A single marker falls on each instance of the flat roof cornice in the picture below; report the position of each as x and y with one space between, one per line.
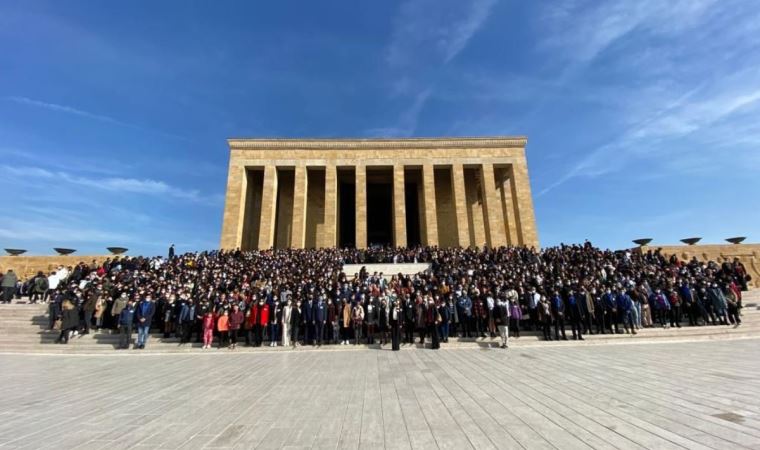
375 143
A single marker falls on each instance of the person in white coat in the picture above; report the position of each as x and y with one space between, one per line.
286 315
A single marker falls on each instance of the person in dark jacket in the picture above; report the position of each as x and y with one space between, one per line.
320 317
235 322
395 319
575 314
432 320
295 322
126 320
558 315
144 316
69 321
445 311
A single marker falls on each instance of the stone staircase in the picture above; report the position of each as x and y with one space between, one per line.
23 329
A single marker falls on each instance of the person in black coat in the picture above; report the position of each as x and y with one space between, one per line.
395 319
69 321
295 322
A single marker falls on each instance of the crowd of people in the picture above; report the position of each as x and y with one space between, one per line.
292 297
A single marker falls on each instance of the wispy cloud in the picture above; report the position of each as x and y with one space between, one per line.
435 28
426 36
680 107
113 184
86 114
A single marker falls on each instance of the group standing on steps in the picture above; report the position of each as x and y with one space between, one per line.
292 297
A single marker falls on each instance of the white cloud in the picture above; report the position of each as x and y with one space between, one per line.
81 113
677 106
437 28
114 184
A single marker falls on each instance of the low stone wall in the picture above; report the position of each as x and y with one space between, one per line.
748 254
28 266
387 269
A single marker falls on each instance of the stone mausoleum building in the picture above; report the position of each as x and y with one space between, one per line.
360 192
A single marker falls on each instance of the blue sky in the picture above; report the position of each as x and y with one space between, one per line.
642 117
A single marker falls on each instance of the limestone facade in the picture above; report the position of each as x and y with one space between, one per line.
318 192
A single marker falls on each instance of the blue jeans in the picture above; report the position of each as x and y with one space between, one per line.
142 334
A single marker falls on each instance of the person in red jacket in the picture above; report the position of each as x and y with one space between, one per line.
208 329
236 320
262 319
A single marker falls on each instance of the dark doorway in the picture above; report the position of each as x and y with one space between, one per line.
412 215
347 214
379 213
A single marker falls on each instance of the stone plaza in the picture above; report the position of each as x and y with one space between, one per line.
695 395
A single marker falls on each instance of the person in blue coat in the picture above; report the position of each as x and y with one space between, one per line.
126 321
558 315
144 316
625 307
609 301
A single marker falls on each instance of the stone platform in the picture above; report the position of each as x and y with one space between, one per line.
387 269
697 395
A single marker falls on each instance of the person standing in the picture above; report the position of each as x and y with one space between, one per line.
320 317
515 316
445 312
208 329
236 321
558 315
502 319
574 312
395 320
432 319
357 319
39 288
171 252
116 308
69 321
126 321
308 318
275 316
8 285
345 321
223 326
408 312
145 310
295 321
286 318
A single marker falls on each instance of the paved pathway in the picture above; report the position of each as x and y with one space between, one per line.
676 395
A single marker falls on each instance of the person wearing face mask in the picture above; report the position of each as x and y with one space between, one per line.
432 319
719 303
144 316
609 300
395 320
286 318
295 322
501 317
320 317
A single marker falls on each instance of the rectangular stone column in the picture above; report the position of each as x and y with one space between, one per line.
331 208
508 205
460 205
298 233
428 204
399 206
361 206
492 206
234 207
268 208
525 218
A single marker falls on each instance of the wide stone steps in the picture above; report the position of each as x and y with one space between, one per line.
23 329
